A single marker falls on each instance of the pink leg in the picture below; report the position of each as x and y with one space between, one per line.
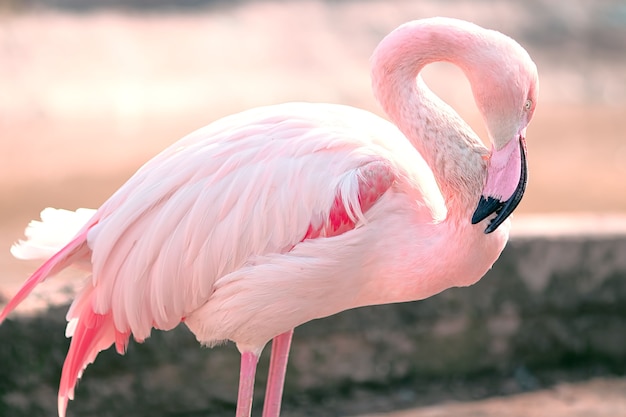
276 377
247 372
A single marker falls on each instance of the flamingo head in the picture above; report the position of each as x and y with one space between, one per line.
506 94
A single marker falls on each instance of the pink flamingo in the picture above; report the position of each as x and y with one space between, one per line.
267 219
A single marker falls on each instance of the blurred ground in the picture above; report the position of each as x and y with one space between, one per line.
596 398
547 318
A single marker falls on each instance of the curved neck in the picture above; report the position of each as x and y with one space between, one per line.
450 147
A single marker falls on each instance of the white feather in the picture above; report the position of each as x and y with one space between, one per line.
47 236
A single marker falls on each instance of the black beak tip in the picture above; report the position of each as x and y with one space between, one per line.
487 206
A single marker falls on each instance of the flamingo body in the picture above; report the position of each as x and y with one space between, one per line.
270 218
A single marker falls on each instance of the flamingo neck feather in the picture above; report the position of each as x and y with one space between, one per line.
453 151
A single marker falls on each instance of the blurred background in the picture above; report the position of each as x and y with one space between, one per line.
90 90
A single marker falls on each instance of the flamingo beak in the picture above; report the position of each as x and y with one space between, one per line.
507 176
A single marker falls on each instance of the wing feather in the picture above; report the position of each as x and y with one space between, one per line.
248 185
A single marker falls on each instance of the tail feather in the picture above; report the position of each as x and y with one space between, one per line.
73 251
48 238
92 333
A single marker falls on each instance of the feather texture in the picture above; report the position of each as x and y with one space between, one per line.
196 212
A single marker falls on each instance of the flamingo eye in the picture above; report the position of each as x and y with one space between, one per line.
528 104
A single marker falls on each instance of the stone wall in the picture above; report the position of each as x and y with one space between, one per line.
556 300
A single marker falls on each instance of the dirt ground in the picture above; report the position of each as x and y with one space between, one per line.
595 398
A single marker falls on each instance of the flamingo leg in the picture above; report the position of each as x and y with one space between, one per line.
276 376
247 373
